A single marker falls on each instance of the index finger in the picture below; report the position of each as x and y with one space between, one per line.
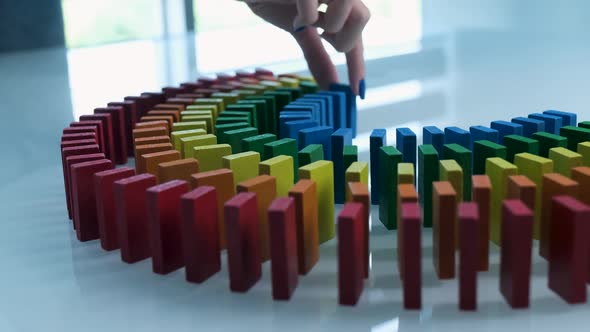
355 62
307 13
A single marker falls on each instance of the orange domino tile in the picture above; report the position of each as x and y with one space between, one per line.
581 175
481 193
554 184
359 193
223 181
145 149
521 187
152 160
444 220
175 114
180 169
151 140
149 132
304 193
182 101
150 118
406 193
173 107
265 188
154 124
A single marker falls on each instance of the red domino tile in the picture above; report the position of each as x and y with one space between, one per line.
98 130
85 198
350 253
130 118
155 97
226 77
516 252
132 221
107 128
468 256
360 194
208 81
142 104
200 233
249 80
191 95
105 205
235 84
73 151
412 255
243 253
119 133
66 144
78 137
569 249
77 129
244 74
283 247
171 92
163 203
207 92
222 87
72 160
266 78
482 194
262 71
190 86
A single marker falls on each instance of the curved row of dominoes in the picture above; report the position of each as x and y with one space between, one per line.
254 163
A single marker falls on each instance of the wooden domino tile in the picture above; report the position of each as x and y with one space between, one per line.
405 173
450 171
78 128
117 114
304 194
105 205
189 143
176 136
84 199
244 165
482 195
468 216
100 130
516 253
72 160
569 249
151 140
554 184
147 149
350 253
406 193
498 170
79 136
180 169
322 173
581 175
73 151
152 125
359 192
281 167
521 187
107 132
389 158
411 259
163 204
200 233
584 151
564 160
283 247
152 160
444 216
131 209
174 113
243 253
67 144
358 171
265 188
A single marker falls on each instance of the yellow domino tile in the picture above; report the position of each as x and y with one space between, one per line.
564 160
217 102
534 167
289 82
207 109
358 171
281 167
405 173
270 85
189 125
177 135
210 157
322 173
188 143
498 170
584 150
228 97
244 165
258 89
449 170
207 118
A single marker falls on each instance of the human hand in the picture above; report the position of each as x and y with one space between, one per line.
343 24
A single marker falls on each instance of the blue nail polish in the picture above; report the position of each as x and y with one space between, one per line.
300 29
362 88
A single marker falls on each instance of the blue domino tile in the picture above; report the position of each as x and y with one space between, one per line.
377 139
350 105
296 106
529 126
318 135
338 107
405 142
340 138
552 123
568 119
458 136
292 129
479 133
283 118
325 103
434 136
506 128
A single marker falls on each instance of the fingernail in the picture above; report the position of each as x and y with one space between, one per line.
362 88
300 29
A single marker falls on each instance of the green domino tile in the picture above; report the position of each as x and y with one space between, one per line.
463 157
295 92
389 158
231 119
250 109
236 114
574 136
548 141
349 155
427 173
256 143
234 137
271 111
228 97
519 144
221 129
584 150
584 124
177 135
260 106
282 99
564 160
310 154
285 146
242 93
308 87
483 150
218 102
